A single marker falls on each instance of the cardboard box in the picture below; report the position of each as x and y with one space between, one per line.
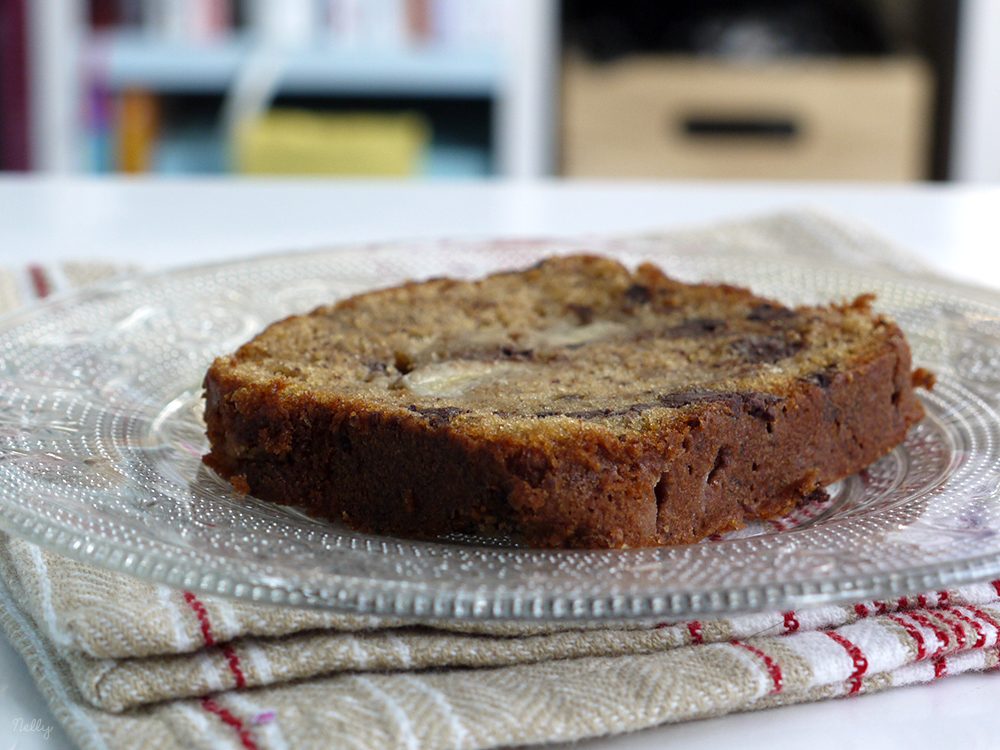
652 116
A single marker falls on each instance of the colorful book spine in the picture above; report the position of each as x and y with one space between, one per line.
101 128
188 21
137 131
365 23
15 147
418 21
399 23
104 14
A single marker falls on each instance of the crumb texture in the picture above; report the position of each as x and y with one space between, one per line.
571 404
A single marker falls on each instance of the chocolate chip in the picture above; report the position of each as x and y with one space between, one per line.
767 312
638 294
679 399
823 378
583 313
686 398
403 362
588 414
694 328
491 354
760 405
764 349
756 404
517 355
818 495
597 413
437 416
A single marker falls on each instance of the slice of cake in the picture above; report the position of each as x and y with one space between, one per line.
572 404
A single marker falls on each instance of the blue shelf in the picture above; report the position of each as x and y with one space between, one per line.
139 60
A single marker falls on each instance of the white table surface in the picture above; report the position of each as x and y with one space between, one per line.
166 223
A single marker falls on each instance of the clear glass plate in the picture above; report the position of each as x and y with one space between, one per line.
101 438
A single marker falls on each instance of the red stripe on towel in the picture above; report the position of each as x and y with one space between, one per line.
916 635
987 619
232 720
957 629
773 668
980 633
232 658
791 621
860 662
694 628
940 668
234 666
202 614
942 635
39 281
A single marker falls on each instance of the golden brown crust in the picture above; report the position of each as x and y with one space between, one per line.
692 464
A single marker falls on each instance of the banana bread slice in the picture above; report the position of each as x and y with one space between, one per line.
571 404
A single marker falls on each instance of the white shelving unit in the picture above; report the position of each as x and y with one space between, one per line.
55 41
976 151
517 75
134 60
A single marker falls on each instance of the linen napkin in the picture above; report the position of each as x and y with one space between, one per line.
124 663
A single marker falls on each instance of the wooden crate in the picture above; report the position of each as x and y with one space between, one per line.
652 116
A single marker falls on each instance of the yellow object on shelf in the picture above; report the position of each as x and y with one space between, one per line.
304 143
137 131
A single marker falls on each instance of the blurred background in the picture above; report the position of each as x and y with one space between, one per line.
884 90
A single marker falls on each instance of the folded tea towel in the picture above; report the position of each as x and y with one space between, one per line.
124 663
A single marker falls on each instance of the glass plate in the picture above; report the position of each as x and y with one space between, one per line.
101 436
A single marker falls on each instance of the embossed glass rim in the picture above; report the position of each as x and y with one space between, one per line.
199 571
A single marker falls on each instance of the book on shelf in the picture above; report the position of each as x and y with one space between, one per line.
176 20
105 14
100 126
133 125
313 143
15 146
418 20
377 24
137 130
191 21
